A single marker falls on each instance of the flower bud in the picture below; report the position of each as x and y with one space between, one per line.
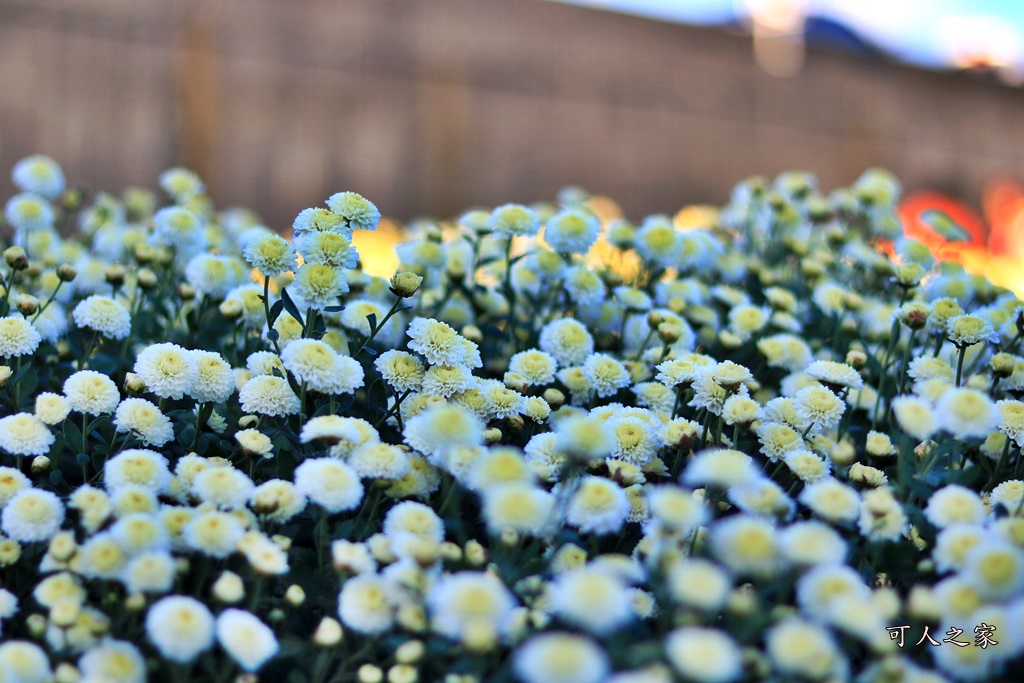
247 421
669 332
186 292
411 617
368 673
136 602
450 552
516 382
476 554
62 546
147 279
16 258
1002 365
328 633
409 652
36 625
231 309
145 253
66 673
473 334
133 384
295 596
554 398
908 274
402 673
40 464
856 358
64 612
492 435
27 304
405 284
228 588
115 275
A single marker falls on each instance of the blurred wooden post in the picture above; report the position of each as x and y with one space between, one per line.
198 97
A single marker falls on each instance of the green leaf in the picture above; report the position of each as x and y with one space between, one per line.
290 305
72 434
275 310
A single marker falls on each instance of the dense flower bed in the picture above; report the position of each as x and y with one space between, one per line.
551 449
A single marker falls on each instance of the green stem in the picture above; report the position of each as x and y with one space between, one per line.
266 310
906 362
894 335
960 363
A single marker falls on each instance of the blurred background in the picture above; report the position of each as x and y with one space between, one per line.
429 107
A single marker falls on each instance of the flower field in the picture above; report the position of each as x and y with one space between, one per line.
781 445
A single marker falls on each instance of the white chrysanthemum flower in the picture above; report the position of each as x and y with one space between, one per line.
703 654
278 500
562 657
818 406
101 557
214 275
24 434
954 504
214 533
137 467
807 466
149 572
328 248
762 497
440 428
39 174
245 638
536 366
104 315
144 419
269 395
811 542
699 583
597 506
215 382
401 370
445 380
113 660
605 374
836 374
1012 422
223 487
358 212
181 184
138 532
436 341
366 604
500 402
379 461
822 586
513 219
175 226
804 649
658 241
519 506
967 330
593 599
567 340
720 467
469 600
329 483
51 408
168 370
747 545
91 392
1008 494
93 505
632 439
319 285
881 516
180 627
11 481
929 367
271 255
915 416
32 515
28 212
967 413
264 363
17 337
571 231
778 439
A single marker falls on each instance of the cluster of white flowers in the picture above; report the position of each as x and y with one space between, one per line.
557 446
